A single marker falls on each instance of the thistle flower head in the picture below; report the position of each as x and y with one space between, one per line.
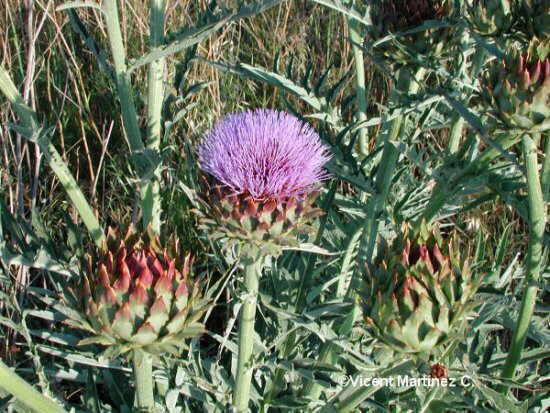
265 155
264 169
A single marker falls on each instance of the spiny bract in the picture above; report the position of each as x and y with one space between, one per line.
420 294
136 295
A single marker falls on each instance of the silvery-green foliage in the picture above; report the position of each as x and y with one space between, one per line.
309 332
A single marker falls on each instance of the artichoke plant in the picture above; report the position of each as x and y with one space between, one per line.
136 295
419 296
518 88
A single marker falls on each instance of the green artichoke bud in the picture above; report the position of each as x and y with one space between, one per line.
419 296
137 295
490 17
518 88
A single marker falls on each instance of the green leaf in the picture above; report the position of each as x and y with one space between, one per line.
349 12
314 249
195 35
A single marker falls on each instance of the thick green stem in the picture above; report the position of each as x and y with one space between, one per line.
537 224
33 132
151 203
545 179
243 379
143 375
360 89
25 393
142 160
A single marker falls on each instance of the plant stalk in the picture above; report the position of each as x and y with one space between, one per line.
25 393
151 202
142 161
34 133
545 179
537 224
360 84
243 380
143 375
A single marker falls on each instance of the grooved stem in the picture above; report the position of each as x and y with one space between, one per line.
545 179
247 317
143 375
537 224
129 113
151 202
360 87
25 393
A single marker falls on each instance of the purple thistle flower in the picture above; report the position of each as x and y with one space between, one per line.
264 154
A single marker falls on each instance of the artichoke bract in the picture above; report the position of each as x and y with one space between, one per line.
136 295
419 297
270 225
518 88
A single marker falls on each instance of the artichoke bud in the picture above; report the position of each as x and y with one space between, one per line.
269 225
134 294
393 16
518 88
490 17
418 297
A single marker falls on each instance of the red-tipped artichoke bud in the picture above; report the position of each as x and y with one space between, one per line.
262 171
137 295
418 297
518 88
491 17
